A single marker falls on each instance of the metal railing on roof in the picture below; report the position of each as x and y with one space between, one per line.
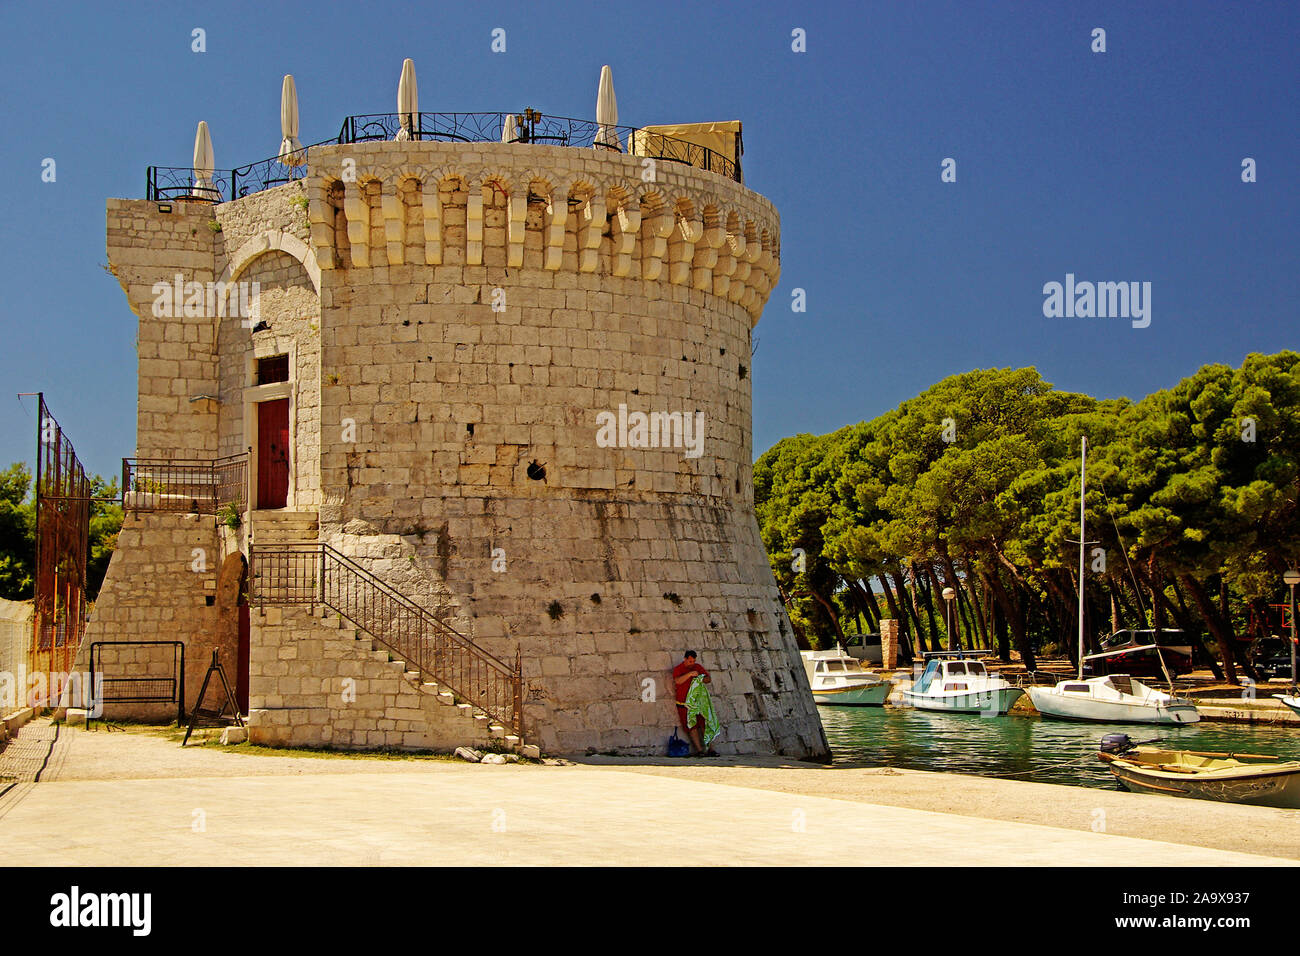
164 183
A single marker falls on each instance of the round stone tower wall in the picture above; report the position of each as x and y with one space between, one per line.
536 420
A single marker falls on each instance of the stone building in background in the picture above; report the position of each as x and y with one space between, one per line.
443 485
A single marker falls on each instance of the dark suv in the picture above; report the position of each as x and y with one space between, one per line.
1273 658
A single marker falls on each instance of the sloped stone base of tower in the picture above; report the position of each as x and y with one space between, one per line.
602 597
316 681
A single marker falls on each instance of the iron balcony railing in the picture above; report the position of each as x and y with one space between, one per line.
163 183
312 574
186 486
541 130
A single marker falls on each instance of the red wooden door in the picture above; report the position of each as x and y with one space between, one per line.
273 453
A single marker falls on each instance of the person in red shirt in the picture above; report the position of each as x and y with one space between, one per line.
683 674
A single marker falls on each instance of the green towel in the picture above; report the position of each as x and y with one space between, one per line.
699 703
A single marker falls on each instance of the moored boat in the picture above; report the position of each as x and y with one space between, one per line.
1234 778
953 682
1116 698
1290 700
1112 697
839 680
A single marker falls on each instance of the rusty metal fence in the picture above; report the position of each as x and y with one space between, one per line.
312 574
186 486
63 496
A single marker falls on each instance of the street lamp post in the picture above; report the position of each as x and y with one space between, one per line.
948 595
1292 578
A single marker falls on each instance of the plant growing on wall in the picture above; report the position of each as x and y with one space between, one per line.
231 515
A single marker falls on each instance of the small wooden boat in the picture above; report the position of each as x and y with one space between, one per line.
839 680
1234 778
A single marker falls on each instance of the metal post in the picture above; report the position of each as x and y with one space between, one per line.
1083 537
1291 578
180 692
38 623
519 693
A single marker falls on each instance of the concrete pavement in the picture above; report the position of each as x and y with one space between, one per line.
138 799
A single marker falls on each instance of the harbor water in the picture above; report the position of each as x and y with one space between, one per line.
1022 746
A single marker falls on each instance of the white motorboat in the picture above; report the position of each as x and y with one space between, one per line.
1116 698
952 682
839 680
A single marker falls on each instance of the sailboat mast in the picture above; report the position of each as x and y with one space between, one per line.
1083 537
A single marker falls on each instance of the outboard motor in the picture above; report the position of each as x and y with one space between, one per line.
1116 744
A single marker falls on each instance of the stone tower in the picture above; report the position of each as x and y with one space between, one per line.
518 394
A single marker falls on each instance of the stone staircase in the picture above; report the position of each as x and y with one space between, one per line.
325 627
484 727
284 527
386 705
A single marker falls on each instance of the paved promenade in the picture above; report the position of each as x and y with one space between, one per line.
135 798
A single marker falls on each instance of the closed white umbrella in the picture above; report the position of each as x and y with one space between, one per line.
408 100
510 129
607 111
290 147
204 160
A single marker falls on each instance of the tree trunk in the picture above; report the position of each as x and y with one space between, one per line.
892 604
1226 611
1222 637
910 621
1000 630
977 604
1013 612
830 610
961 619
923 584
1129 611
871 602
1195 633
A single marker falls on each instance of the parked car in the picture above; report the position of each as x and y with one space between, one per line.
1273 658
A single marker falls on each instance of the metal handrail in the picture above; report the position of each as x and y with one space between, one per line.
164 183
184 485
311 574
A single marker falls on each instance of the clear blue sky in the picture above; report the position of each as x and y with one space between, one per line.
1117 166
